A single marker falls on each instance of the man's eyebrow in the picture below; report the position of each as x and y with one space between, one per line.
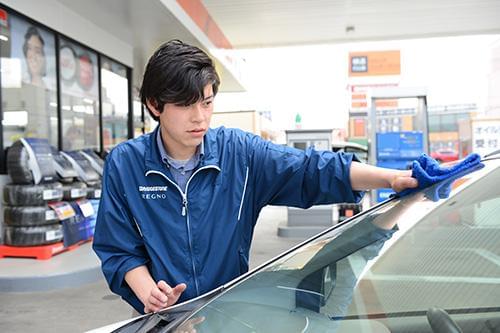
208 97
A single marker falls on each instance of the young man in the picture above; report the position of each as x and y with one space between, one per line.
179 205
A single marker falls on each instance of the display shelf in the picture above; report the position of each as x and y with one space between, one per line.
43 252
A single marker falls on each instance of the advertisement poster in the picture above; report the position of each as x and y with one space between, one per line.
34 49
78 70
28 64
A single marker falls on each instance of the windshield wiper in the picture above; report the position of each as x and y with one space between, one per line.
496 152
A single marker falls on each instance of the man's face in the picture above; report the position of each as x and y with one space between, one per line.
183 127
34 56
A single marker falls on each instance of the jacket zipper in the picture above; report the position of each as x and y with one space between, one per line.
184 212
243 195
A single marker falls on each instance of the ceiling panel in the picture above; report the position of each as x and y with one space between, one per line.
144 25
267 23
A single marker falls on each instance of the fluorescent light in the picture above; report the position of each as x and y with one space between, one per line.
4 38
15 118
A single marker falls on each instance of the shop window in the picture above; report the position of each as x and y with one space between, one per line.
434 123
449 123
29 95
149 122
79 96
138 118
114 92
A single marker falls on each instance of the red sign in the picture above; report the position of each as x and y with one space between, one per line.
3 18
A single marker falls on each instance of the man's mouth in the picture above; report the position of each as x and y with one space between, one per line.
197 130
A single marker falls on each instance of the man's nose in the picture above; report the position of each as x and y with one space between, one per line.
197 112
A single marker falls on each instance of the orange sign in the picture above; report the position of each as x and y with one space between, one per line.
374 63
199 14
386 103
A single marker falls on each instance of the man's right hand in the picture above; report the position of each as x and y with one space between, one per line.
162 296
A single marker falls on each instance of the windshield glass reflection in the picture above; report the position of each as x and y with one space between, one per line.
334 285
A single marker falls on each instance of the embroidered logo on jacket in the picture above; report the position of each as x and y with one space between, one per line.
153 192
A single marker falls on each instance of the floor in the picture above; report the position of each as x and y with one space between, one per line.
91 305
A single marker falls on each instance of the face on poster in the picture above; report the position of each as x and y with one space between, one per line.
33 49
78 70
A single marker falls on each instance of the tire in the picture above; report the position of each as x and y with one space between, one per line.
17 164
32 195
82 166
74 191
25 166
64 169
94 191
29 216
95 160
33 236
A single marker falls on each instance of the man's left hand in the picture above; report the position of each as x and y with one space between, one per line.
403 180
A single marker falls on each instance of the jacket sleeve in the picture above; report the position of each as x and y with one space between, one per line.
292 177
117 240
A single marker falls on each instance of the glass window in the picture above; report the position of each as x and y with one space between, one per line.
114 92
449 123
434 123
79 96
149 122
138 122
29 96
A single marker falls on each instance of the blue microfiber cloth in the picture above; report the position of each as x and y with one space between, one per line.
427 171
442 189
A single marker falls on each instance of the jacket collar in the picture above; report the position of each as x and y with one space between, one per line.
153 156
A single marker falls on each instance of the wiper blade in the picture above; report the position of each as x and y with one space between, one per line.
154 322
492 153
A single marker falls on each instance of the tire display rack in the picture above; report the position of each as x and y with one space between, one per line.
50 206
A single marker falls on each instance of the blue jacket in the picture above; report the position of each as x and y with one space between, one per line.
202 237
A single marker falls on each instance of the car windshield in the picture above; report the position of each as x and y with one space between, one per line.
381 272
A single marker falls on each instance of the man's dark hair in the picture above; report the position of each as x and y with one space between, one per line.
32 31
177 73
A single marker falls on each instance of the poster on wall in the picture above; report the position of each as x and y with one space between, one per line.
28 65
485 136
32 55
78 70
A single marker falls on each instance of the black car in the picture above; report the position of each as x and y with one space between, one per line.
420 263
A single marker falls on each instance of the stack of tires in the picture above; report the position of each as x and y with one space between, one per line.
28 220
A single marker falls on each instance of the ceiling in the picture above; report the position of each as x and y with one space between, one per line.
144 24
267 23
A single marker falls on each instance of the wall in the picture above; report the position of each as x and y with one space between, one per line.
244 120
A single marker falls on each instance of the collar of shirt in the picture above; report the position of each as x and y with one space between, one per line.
169 161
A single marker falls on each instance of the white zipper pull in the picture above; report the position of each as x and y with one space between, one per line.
184 204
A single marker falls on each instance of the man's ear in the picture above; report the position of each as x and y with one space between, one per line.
153 106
